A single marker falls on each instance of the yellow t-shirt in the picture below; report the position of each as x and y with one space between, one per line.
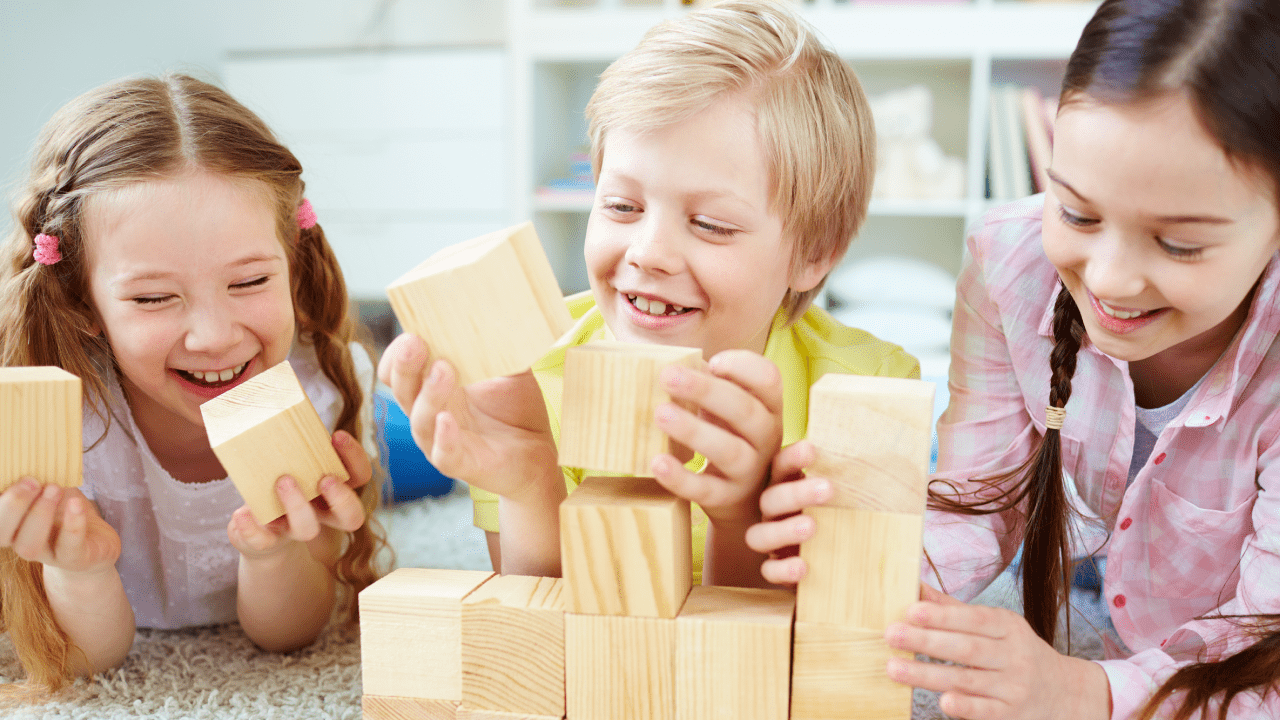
813 346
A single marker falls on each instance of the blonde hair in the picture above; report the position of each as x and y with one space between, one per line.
130 131
812 116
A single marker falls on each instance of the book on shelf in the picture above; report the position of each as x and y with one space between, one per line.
1037 124
1021 141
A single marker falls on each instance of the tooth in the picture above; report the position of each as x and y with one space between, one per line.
657 308
642 304
226 375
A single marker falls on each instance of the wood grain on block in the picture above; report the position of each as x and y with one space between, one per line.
399 708
264 428
864 567
40 426
513 646
465 713
873 436
625 548
620 668
839 673
611 390
733 654
411 633
490 305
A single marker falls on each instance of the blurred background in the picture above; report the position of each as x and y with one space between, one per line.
422 123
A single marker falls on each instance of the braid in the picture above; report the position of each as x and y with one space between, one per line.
1046 551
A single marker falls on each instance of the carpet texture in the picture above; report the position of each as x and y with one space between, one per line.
215 673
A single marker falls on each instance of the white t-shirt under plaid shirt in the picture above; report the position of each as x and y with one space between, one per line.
1196 534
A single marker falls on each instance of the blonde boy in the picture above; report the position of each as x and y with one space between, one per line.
734 156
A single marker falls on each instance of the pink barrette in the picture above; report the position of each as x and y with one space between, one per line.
306 215
47 249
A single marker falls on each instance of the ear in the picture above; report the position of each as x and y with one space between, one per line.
807 276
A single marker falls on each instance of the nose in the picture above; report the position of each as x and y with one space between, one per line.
1114 268
212 329
655 246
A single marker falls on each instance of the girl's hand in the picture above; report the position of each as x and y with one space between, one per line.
338 506
493 434
57 527
784 528
737 427
1004 670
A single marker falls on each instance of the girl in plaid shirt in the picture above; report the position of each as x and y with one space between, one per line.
1144 288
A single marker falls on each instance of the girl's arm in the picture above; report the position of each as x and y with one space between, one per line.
59 528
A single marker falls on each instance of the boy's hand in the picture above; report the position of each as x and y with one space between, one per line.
784 528
493 434
57 527
737 427
338 506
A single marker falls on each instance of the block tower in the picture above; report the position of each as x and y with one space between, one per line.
624 635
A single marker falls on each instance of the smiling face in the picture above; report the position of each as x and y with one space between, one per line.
191 286
682 245
1156 234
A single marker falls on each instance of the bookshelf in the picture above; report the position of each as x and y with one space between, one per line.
959 50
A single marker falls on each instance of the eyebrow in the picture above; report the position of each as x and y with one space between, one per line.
1162 219
159 275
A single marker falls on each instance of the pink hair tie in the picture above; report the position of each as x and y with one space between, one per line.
47 249
306 215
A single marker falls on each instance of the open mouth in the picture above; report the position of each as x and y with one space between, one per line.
213 378
656 308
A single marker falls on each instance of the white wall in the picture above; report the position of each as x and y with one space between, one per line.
53 50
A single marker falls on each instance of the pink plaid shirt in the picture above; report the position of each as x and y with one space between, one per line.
1198 531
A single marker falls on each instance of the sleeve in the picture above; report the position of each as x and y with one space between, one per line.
985 431
1223 631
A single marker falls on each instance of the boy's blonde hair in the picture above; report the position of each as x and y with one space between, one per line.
133 131
812 116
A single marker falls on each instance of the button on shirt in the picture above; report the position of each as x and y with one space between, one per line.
1197 532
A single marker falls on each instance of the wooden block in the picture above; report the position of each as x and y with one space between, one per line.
733 654
611 391
398 708
873 436
513 646
40 416
470 714
490 305
864 567
411 633
265 428
625 548
839 672
619 668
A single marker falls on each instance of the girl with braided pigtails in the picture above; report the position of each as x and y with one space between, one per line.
163 251
1115 344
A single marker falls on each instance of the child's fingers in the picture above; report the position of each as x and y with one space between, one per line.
32 540
345 511
15 503
770 537
402 366
70 548
448 450
303 523
430 401
784 571
789 463
789 498
960 647
733 406
248 536
996 623
704 489
942 678
353 458
754 372
732 455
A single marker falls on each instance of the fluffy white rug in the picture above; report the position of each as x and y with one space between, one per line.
217 674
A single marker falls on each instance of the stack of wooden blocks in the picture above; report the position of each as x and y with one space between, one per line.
624 634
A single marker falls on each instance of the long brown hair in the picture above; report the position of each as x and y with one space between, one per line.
1222 53
130 131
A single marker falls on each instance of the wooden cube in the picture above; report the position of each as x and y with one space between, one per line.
611 391
625 548
40 415
398 708
465 713
733 654
838 672
411 633
513 646
873 436
620 668
264 428
490 305
864 567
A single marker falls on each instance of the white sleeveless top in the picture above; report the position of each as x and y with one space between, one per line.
178 566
